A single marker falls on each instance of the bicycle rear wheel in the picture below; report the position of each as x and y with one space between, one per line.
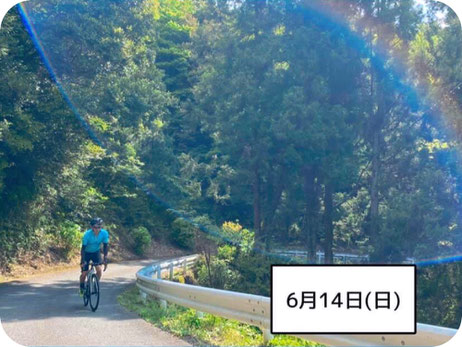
94 292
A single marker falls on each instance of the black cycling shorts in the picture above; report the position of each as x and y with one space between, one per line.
94 257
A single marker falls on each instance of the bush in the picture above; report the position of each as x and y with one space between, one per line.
142 240
219 273
182 233
243 238
69 237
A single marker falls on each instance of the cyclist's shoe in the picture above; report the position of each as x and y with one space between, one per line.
81 291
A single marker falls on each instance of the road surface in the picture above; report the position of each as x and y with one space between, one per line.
47 311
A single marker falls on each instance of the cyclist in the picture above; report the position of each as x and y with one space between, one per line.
91 243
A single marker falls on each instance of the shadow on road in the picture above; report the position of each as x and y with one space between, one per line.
28 300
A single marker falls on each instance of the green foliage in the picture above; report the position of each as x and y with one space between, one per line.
234 233
218 272
235 266
207 330
255 268
284 340
69 237
175 23
182 233
98 124
142 239
432 281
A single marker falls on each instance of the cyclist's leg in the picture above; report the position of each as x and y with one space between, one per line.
97 260
82 282
99 272
82 276
84 271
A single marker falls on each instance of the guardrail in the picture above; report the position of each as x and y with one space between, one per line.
342 258
255 310
338 257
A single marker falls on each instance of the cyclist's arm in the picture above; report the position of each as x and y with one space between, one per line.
82 254
82 251
105 250
105 246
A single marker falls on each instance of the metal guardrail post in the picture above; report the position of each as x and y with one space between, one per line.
144 296
267 336
163 303
159 272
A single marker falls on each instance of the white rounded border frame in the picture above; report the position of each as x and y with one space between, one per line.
6 5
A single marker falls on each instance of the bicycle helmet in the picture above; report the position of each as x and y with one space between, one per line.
96 221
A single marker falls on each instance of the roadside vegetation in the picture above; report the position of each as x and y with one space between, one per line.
205 329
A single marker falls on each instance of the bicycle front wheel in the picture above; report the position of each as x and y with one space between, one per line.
94 292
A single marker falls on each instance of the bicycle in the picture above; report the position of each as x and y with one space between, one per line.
91 292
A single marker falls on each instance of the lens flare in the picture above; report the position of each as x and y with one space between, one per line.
439 261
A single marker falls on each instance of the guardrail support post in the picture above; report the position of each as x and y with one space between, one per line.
154 274
267 336
159 272
171 271
185 266
144 296
163 304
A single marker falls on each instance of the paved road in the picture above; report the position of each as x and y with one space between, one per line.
47 310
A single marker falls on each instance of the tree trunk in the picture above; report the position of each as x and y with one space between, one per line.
375 129
256 204
310 224
378 120
374 191
275 189
328 223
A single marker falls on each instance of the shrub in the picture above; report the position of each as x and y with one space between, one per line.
142 240
218 273
69 237
182 233
237 235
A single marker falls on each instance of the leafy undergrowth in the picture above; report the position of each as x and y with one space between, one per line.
205 330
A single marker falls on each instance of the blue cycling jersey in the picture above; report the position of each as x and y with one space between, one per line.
92 243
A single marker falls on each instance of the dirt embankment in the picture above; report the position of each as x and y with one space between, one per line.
29 265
